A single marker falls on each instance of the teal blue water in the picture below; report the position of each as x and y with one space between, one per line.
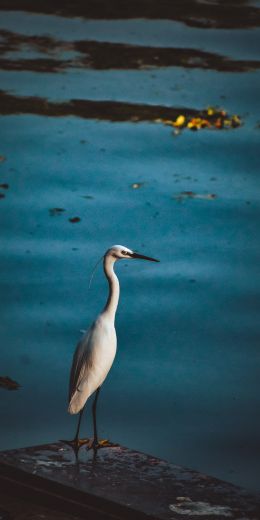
185 382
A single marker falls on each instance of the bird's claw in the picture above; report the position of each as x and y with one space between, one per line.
95 445
91 444
76 444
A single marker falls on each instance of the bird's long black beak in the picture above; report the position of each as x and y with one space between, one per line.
142 257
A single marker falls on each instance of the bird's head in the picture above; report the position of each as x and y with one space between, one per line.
118 252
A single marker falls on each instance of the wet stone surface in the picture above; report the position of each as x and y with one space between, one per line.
130 479
18 508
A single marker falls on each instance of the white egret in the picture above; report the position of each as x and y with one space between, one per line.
96 350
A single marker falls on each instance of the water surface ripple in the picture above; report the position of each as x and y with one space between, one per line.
184 382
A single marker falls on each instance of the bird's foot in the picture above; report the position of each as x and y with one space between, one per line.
95 445
76 444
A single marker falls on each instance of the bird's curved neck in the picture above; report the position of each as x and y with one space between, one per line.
113 296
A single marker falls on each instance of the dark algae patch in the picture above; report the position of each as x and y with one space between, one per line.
196 13
34 65
106 55
74 220
118 111
191 195
56 211
88 109
8 384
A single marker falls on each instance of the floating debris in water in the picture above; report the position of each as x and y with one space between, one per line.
56 211
2 158
8 384
212 118
89 197
137 185
4 186
180 121
118 111
186 506
2 195
74 220
191 195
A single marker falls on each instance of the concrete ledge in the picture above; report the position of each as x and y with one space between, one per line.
119 484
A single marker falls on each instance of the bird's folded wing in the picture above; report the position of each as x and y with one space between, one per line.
80 360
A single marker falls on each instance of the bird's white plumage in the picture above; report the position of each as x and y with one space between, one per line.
93 359
96 350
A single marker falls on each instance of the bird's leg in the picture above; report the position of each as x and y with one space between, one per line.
95 444
76 439
76 443
94 411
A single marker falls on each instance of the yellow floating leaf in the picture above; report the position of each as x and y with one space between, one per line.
211 111
219 123
204 123
195 123
211 117
180 121
192 125
235 121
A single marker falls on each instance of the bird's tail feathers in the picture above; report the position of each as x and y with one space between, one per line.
72 409
79 398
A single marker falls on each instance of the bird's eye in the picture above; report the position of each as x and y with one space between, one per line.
124 252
